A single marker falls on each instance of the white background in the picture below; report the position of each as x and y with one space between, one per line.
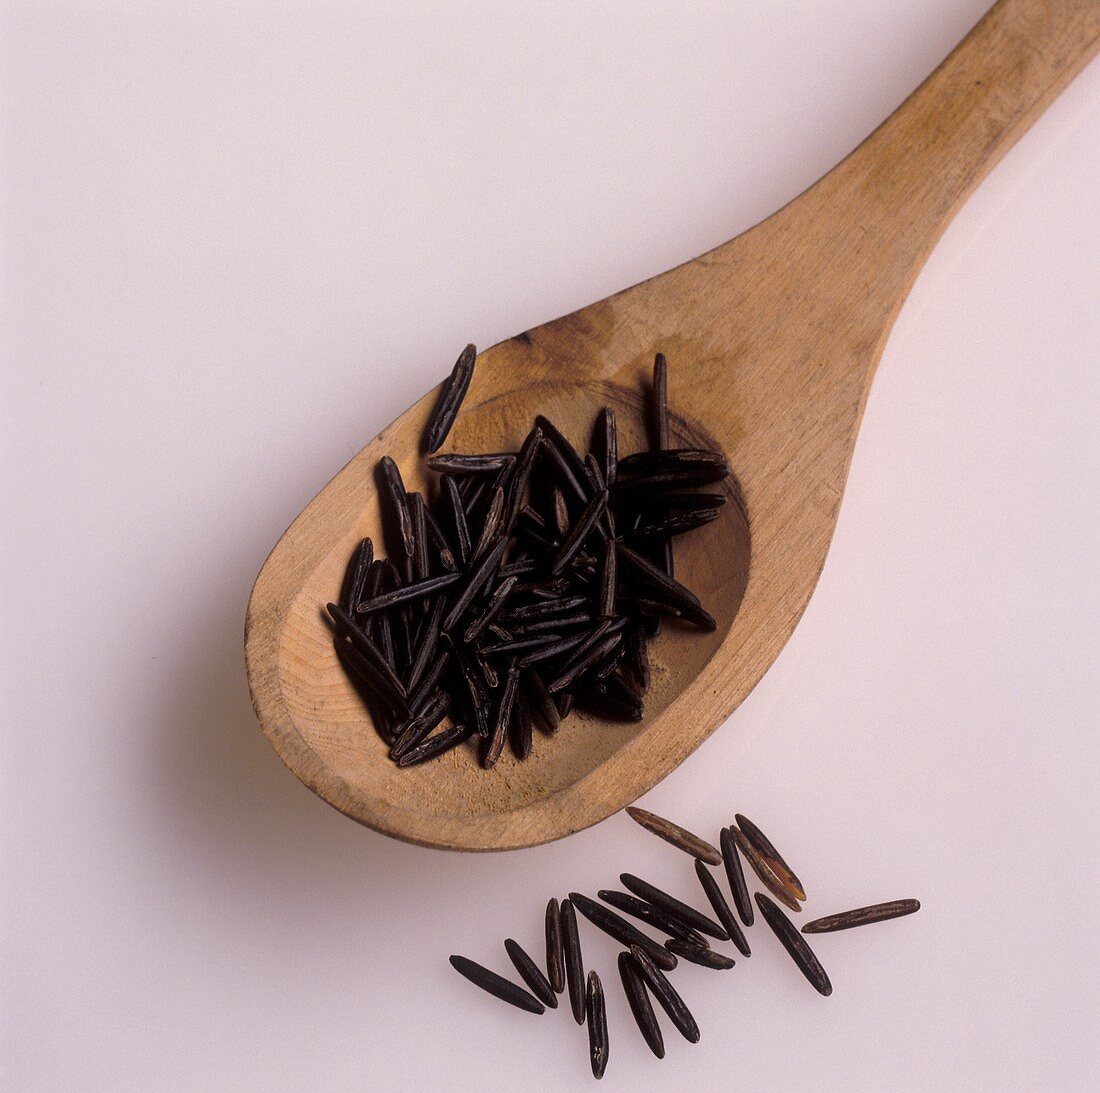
238 239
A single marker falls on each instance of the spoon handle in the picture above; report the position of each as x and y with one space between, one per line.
885 206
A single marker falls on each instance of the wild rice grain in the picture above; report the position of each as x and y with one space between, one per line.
697 954
407 593
541 704
525 464
555 954
736 876
771 856
651 916
605 444
494 518
489 463
674 907
640 1006
495 605
676 523
355 576
595 1014
580 531
428 640
520 730
565 455
458 518
420 726
581 663
862 916
608 580
497 985
495 744
450 400
420 536
673 459
764 871
474 583
574 962
617 927
531 974
678 836
666 994
397 502
721 908
792 941
436 745
370 652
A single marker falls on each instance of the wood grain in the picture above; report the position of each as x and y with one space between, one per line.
772 340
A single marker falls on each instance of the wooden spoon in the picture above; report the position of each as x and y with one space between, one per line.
772 340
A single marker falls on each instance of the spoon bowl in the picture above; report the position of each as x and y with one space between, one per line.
331 725
772 340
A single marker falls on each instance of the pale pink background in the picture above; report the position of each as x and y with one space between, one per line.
238 239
